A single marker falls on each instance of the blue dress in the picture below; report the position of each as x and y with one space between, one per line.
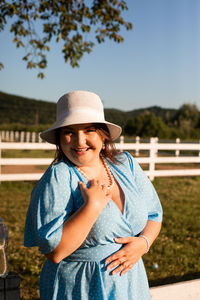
83 275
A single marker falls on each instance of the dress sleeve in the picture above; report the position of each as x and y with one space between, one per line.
51 204
146 190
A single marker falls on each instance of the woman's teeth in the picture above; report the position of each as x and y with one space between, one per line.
81 150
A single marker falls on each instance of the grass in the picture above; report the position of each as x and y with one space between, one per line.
28 153
176 250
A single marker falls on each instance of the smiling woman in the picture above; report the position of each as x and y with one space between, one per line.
81 144
94 213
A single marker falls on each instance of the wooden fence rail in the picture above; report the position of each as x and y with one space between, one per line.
155 156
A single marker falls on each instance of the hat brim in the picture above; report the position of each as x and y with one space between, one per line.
49 135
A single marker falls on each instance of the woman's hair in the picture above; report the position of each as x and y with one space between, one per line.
108 150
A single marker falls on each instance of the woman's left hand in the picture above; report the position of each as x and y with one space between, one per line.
125 258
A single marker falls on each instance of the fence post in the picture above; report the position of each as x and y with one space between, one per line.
12 136
39 138
7 136
156 149
177 152
21 136
3 135
121 141
28 134
199 151
152 155
137 141
33 140
16 136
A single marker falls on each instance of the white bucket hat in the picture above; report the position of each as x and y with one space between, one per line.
79 107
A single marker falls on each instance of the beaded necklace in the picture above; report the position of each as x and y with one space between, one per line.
108 172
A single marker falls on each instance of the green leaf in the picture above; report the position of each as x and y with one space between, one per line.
40 75
1 66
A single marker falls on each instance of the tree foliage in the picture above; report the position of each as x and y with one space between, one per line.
147 125
68 22
187 116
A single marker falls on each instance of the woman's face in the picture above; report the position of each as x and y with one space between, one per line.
81 144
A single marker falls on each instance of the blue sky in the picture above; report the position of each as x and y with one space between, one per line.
158 63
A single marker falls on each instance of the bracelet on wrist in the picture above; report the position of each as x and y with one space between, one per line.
147 241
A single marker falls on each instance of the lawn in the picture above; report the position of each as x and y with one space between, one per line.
176 251
15 153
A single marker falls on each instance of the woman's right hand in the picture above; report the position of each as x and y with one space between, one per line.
96 195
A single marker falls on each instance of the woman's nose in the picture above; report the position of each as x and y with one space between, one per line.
80 137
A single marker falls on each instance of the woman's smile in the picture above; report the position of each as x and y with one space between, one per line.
81 151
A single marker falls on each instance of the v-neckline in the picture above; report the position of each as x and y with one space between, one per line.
85 180
119 185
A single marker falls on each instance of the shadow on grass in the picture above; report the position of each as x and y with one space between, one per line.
174 279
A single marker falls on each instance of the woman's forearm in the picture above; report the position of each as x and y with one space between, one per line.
75 231
151 231
77 227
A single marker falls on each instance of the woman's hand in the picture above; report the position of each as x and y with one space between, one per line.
124 259
97 194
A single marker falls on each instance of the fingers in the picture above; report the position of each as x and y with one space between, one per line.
93 182
122 252
126 269
124 240
123 260
117 256
116 263
122 266
122 269
82 185
96 183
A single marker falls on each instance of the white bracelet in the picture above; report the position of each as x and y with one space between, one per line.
147 241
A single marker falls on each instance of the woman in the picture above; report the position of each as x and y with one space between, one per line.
94 213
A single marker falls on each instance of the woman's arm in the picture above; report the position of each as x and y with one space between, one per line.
77 227
151 231
134 248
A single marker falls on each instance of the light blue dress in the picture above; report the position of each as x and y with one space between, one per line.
82 275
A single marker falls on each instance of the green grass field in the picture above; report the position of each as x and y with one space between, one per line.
176 250
27 153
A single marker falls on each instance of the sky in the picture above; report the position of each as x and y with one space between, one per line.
158 64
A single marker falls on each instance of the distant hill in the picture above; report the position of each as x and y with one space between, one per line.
16 109
26 111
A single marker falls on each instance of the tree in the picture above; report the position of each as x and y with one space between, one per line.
66 21
188 116
147 125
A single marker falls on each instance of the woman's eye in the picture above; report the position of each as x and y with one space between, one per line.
91 130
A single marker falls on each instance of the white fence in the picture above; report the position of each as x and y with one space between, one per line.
153 147
20 136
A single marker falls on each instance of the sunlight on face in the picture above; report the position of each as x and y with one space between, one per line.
81 144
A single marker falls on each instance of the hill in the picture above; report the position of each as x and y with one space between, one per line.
30 112
25 111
